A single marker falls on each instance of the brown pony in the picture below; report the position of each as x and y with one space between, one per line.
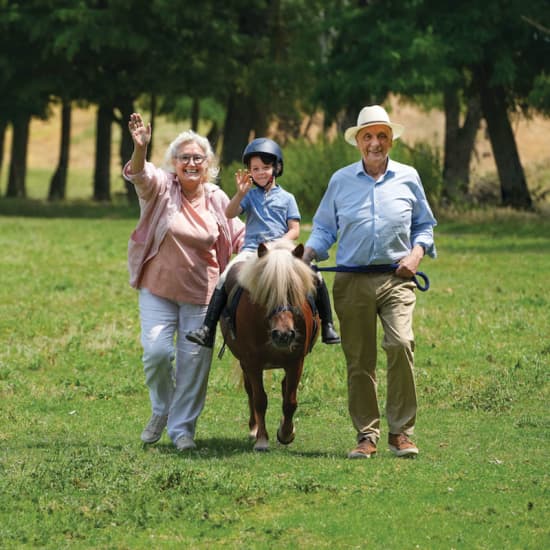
274 327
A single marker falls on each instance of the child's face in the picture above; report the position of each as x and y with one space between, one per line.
261 173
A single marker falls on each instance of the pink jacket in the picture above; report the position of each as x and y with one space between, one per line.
159 195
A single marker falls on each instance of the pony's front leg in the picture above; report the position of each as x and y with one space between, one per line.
258 404
260 408
289 388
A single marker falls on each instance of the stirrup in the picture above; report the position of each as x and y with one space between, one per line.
202 337
329 335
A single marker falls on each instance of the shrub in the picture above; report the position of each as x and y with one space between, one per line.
309 166
427 162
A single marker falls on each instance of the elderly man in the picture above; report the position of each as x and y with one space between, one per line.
377 209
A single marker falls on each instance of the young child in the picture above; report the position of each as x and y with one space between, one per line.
271 213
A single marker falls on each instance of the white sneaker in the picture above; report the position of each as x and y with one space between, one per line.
153 431
184 443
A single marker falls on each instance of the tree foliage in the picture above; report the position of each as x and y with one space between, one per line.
250 67
470 49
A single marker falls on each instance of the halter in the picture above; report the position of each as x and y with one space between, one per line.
281 309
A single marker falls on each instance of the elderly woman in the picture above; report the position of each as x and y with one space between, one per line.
182 243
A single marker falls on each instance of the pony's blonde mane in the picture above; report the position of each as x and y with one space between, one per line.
277 278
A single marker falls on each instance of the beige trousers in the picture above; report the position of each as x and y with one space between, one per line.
359 299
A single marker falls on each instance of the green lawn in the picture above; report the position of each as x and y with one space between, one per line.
73 473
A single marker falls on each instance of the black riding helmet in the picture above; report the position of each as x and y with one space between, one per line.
268 151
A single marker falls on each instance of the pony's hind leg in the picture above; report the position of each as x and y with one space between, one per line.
252 426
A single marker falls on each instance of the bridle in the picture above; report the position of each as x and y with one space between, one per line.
283 308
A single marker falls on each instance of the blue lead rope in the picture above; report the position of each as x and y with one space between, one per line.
382 268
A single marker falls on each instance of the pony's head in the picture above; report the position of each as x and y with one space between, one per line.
277 277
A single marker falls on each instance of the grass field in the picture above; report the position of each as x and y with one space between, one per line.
73 473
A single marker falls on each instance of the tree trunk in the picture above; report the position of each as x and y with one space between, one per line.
153 118
18 161
126 108
195 112
243 117
3 127
513 186
348 116
459 144
345 119
214 135
58 183
243 113
102 170
236 130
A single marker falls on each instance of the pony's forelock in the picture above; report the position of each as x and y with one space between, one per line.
278 278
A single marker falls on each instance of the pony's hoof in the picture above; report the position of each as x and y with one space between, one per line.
288 440
261 446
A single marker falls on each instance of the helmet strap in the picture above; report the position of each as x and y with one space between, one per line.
266 185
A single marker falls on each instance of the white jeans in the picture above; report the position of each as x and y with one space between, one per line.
181 392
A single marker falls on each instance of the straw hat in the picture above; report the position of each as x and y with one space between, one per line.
369 116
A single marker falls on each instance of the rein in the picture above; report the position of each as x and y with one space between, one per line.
382 268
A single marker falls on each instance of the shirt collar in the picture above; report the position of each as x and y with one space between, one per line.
274 189
390 169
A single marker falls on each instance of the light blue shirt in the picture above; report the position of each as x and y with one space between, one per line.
267 215
375 222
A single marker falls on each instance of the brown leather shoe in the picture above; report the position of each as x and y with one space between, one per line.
365 449
401 445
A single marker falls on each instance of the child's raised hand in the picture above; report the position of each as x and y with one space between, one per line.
244 181
141 134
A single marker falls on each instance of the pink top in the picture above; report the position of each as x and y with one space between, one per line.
179 247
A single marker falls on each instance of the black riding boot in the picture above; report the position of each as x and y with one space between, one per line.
204 336
322 301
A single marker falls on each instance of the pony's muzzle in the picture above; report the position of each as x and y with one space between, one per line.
282 338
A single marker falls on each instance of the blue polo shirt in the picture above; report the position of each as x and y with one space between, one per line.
267 215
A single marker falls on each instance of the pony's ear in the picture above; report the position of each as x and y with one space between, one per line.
262 250
298 252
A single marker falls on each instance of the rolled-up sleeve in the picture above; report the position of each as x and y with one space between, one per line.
143 181
325 230
423 222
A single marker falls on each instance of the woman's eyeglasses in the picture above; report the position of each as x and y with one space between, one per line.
186 159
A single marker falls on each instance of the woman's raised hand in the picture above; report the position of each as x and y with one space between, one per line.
141 134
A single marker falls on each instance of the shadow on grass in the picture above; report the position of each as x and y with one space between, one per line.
31 208
223 447
211 448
